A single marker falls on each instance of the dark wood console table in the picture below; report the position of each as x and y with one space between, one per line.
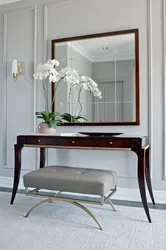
138 145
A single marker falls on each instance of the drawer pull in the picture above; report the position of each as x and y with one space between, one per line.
73 142
38 140
110 142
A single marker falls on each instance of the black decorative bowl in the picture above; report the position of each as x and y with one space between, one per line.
100 133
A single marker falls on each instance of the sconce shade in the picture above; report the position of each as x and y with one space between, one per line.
14 67
17 68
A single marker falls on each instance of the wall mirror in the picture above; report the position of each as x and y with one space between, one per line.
112 61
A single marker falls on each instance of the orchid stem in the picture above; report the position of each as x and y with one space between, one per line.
56 86
79 102
46 97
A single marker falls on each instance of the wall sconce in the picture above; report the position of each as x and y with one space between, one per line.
17 68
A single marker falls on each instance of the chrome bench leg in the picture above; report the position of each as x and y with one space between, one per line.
112 205
106 198
38 204
50 200
88 212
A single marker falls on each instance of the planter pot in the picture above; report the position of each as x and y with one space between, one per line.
45 128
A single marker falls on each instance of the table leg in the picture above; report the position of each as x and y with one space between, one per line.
17 170
42 157
141 179
147 175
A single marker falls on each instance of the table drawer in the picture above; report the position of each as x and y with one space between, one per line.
88 142
42 140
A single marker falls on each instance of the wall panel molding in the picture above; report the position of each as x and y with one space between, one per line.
45 55
164 77
35 62
4 90
45 32
34 31
34 82
150 81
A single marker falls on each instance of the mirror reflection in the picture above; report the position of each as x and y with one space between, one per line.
110 62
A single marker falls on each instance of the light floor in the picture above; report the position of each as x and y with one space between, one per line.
61 226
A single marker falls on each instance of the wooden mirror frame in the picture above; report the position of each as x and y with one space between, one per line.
114 33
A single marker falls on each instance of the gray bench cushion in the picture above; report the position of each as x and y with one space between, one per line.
70 179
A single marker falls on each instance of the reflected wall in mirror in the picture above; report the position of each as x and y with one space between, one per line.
112 61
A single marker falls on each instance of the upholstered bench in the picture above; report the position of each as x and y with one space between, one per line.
72 180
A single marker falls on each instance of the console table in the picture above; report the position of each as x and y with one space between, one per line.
138 145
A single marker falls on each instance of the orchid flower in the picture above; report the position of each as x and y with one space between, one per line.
68 75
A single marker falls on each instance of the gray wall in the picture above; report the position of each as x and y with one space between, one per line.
41 21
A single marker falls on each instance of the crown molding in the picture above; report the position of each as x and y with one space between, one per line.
107 58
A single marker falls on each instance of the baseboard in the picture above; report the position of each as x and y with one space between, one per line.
126 194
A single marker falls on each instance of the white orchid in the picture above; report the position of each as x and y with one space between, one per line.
55 63
48 69
68 75
72 77
84 86
53 78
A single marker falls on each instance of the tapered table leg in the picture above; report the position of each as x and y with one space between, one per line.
17 170
147 175
42 157
141 179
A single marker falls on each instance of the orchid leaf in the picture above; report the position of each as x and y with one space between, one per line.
49 117
70 118
52 124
